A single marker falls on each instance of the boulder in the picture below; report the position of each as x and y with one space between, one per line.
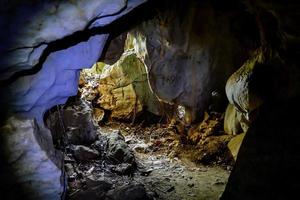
123 169
92 181
76 121
124 88
117 149
263 77
83 153
267 165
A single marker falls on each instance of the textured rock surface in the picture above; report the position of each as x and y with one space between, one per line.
117 149
186 54
238 88
232 124
98 114
115 49
27 162
76 120
43 45
83 153
57 39
124 88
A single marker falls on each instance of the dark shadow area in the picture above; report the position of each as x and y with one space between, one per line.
269 158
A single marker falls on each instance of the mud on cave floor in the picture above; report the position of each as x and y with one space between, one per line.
163 167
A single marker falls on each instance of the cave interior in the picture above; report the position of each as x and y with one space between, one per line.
149 99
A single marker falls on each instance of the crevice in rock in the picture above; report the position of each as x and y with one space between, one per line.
115 28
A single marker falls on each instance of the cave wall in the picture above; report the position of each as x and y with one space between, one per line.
44 45
191 49
30 167
266 90
190 52
50 43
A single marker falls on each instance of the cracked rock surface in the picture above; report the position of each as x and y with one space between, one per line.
40 63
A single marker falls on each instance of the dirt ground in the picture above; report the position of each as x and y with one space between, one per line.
164 166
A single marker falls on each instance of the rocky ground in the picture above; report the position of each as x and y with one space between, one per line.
150 172
116 149
117 146
120 160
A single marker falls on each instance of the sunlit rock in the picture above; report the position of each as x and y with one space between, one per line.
123 88
50 42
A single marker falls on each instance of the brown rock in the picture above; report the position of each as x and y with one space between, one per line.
235 144
124 88
98 114
231 121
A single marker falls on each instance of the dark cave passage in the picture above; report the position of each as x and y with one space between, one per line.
116 135
148 99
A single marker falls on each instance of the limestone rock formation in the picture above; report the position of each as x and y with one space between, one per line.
40 62
238 88
124 89
235 144
188 59
29 162
232 124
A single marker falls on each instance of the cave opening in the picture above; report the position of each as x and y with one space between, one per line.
117 132
149 99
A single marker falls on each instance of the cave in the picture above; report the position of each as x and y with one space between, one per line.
149 99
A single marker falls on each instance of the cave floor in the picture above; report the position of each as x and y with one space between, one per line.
163 167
